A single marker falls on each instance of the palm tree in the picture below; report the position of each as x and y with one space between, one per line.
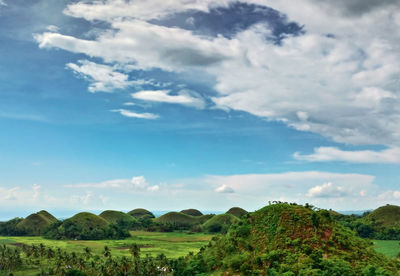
107 252
88 253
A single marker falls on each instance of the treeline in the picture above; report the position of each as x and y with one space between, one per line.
45 260
369 229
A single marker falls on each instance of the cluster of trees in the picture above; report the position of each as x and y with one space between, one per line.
369 229
9 228
55 261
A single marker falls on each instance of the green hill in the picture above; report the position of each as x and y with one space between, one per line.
35 224
88 221
177 218
116 216
192 212
285 239
387 216
140 213
49 217
219 223
237 212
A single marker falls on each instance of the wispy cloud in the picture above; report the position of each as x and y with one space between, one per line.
131 114
326 154
165 96
137 183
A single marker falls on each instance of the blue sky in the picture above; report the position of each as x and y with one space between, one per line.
198 104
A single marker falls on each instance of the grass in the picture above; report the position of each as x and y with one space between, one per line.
389 248
173 245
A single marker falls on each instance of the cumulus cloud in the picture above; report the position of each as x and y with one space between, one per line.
164 96
335 79
137 183
326 154
327 190
224 189
131 114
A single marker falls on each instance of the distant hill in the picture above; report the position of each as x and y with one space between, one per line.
387 216
88 221
140 213
192 212
219 223
237 212
114 216
283 239
35 224
179 218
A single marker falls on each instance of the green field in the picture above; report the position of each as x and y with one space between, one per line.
389 248
172 244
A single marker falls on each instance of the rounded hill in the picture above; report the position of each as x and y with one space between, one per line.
385 216
177 218
88 221
36 223
116 216
192 212
292 240
237 212
219 223
140 213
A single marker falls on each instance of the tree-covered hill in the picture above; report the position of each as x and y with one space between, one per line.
284 239
140 213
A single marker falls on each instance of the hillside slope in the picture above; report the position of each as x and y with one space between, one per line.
385 216
35 224
291 239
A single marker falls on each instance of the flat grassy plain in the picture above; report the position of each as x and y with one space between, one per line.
171 244
389 248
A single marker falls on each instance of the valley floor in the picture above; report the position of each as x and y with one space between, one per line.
171 244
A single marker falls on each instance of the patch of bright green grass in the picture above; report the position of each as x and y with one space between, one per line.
173 245
389 248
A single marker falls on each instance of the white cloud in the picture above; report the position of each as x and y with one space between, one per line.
390 195
327 190
2 3
131 114
101 77
52 28
164 96
343 86
224 189
137 183
326 154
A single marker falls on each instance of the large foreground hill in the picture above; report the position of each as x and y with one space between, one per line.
284 239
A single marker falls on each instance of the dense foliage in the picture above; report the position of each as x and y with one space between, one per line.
55 261
283 239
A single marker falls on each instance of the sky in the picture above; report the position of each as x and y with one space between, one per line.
168 105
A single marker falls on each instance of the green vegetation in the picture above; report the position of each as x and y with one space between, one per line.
85 226
35 224
389 248
116 216
237 212
219 223
381 224
140 213
171 244
283 239
192 212
386 217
